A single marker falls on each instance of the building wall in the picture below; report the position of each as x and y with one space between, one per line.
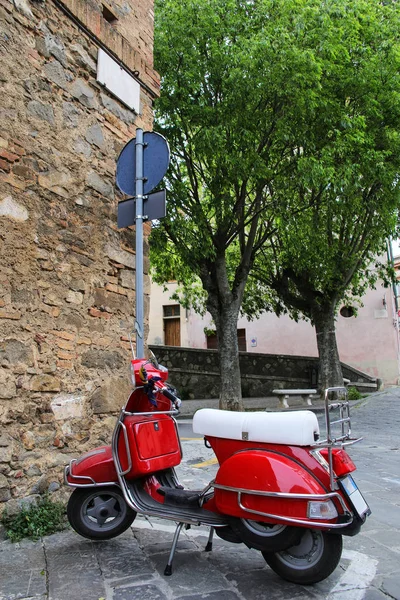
368 342
67 289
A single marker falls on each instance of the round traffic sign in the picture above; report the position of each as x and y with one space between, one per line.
155 163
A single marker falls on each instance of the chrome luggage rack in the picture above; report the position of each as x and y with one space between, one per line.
338 432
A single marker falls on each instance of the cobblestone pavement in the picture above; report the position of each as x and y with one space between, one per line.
65 566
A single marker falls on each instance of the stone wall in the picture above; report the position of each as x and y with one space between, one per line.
195 372
67 280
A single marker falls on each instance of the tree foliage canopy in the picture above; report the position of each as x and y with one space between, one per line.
283 119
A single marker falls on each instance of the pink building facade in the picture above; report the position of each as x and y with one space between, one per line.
368 341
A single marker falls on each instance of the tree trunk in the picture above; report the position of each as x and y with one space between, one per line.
330 369
230 397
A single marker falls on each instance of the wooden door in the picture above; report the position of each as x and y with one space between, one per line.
172 332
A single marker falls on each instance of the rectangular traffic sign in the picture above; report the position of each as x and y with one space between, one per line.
154 207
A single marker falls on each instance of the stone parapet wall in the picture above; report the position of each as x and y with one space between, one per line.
67 278
195 372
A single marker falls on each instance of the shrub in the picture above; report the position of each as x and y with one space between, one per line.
35 521
354 394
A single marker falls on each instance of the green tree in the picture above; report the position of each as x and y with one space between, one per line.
266 106
346 171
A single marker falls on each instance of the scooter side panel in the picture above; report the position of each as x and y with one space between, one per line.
153 445
96 466
264 471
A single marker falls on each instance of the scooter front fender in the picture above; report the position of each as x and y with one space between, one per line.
246 478
92 468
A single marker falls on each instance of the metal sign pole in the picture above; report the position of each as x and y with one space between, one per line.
139 325
136 177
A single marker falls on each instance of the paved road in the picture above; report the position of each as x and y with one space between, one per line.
67 567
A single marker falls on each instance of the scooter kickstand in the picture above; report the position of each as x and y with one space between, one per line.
210 540
168 568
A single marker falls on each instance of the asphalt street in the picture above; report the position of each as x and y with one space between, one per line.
65 566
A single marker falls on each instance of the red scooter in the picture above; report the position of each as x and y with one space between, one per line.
279 488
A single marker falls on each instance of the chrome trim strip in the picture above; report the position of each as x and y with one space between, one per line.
121 479
79 476
177 435
293 520
93 483
154 412
128 451
289 496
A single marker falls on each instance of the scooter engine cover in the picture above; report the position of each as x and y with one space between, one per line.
263 471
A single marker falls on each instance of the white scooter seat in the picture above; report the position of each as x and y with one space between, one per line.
298 428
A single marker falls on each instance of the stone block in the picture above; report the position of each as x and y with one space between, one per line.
4 165
8 388
59 182
65 335
68 406
94 135
22 6
95 312
13 316
6 453
22 570
8 156
82 147
52 299
13 210
5 494
41 485
82 58
111 396
28 440
137 592
128 279
100 359
121 113
74 297
53 45
82 92
101 186
3 482
120 256
55 72
45 383
65 355
21 295
16 352
116 289
41 111
71 114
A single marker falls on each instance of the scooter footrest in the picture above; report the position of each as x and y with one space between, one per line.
180 497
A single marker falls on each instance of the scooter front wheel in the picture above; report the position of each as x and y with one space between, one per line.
99 513
313 559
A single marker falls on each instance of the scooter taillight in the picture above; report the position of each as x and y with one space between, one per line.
341 461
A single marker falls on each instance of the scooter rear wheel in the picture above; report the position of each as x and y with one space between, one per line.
313 559
264 536
99 513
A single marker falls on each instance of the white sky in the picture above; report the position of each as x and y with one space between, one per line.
396 248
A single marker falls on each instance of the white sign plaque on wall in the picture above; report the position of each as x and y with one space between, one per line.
122 85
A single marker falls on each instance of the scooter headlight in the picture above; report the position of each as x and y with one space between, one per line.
322 510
